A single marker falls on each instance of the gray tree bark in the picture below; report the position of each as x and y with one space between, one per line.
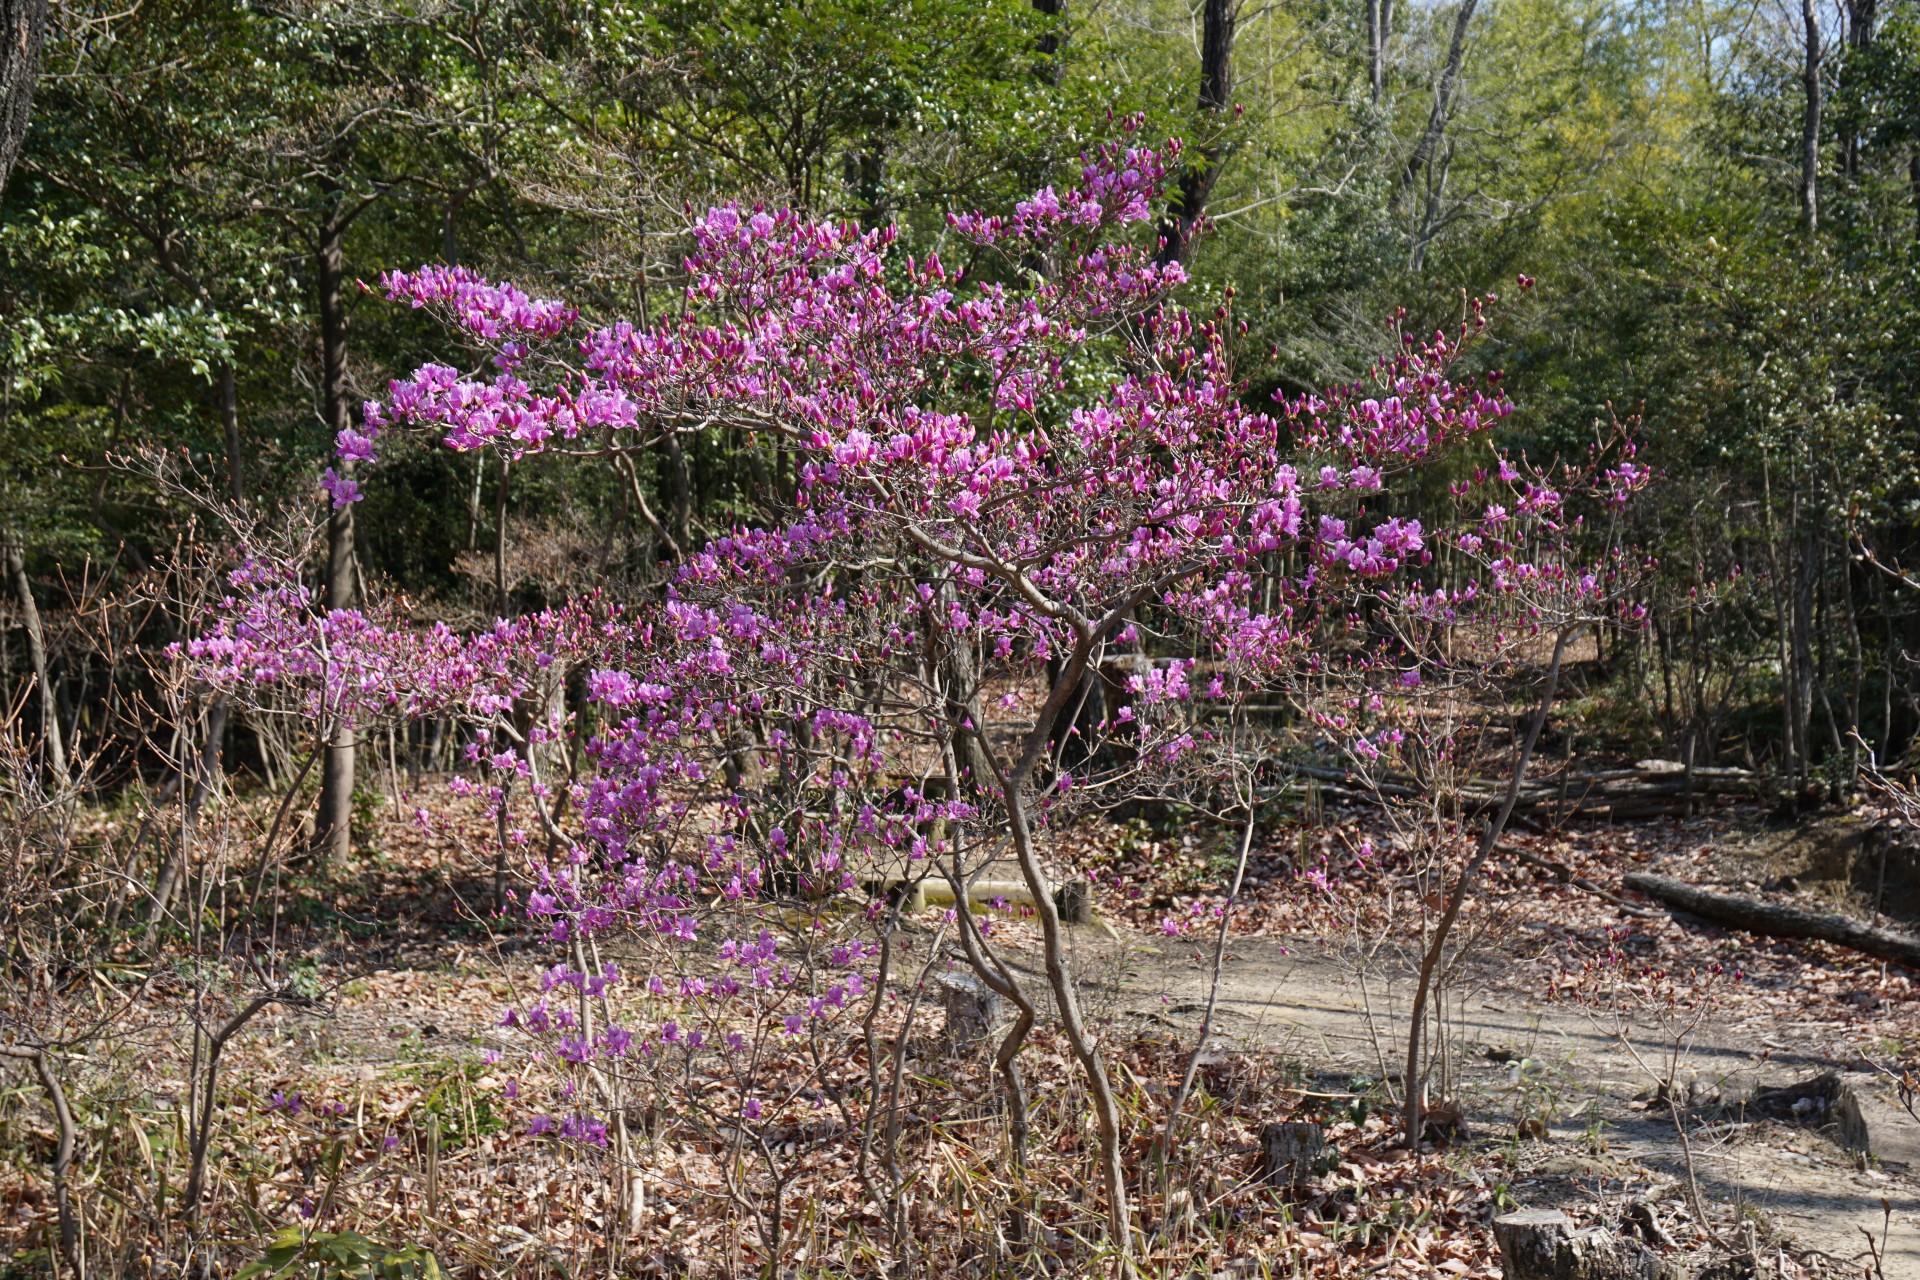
230 427
1441 113
1379 31
23 29
63 1152
50 733
1862 17
1543 1244
1050 41
1913 185
333 823
1810 120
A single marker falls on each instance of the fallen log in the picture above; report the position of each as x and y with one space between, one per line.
1776 920
1651 788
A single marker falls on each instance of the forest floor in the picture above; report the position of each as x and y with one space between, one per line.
1540 1023
1606 1143
1561 1009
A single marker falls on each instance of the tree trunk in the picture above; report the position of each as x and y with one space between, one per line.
1803 652
1442 111
1081 728
680 481
204 1084
1778 920
1013 784
211 773
868 180
1431 207
500 539
473 500
1862 15
1379 30
333 824
966 716
1106 1106
1810 122
23 29
208 775
50 732
1793 751
68 1133
1202 168
1856 675
230 425
1051 39
1913 185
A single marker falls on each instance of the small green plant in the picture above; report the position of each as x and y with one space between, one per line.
305 979
367 804
1536 1094
340 1255
31 1265
1595 1136
452 1099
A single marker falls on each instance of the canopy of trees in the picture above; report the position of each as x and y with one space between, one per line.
1721 203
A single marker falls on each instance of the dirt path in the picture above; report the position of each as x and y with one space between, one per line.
1290 997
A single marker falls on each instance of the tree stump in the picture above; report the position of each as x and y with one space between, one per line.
1852 1121
1289 1150
974 1012
1818 1102
1543 1244
1445 1124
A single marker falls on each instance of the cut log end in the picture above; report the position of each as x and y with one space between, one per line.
1289 1151
975 1013
1543 1244
1822 1102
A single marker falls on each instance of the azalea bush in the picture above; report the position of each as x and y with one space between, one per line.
1035 548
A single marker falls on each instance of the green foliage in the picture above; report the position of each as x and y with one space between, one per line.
1640 160
452 1104
847 105
299 1254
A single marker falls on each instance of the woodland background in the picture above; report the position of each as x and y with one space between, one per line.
1721 202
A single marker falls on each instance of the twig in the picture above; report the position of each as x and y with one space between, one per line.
1213 990
203 1124
62 1154
1877 1249
1436 946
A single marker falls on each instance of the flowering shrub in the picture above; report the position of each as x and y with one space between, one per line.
802 715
